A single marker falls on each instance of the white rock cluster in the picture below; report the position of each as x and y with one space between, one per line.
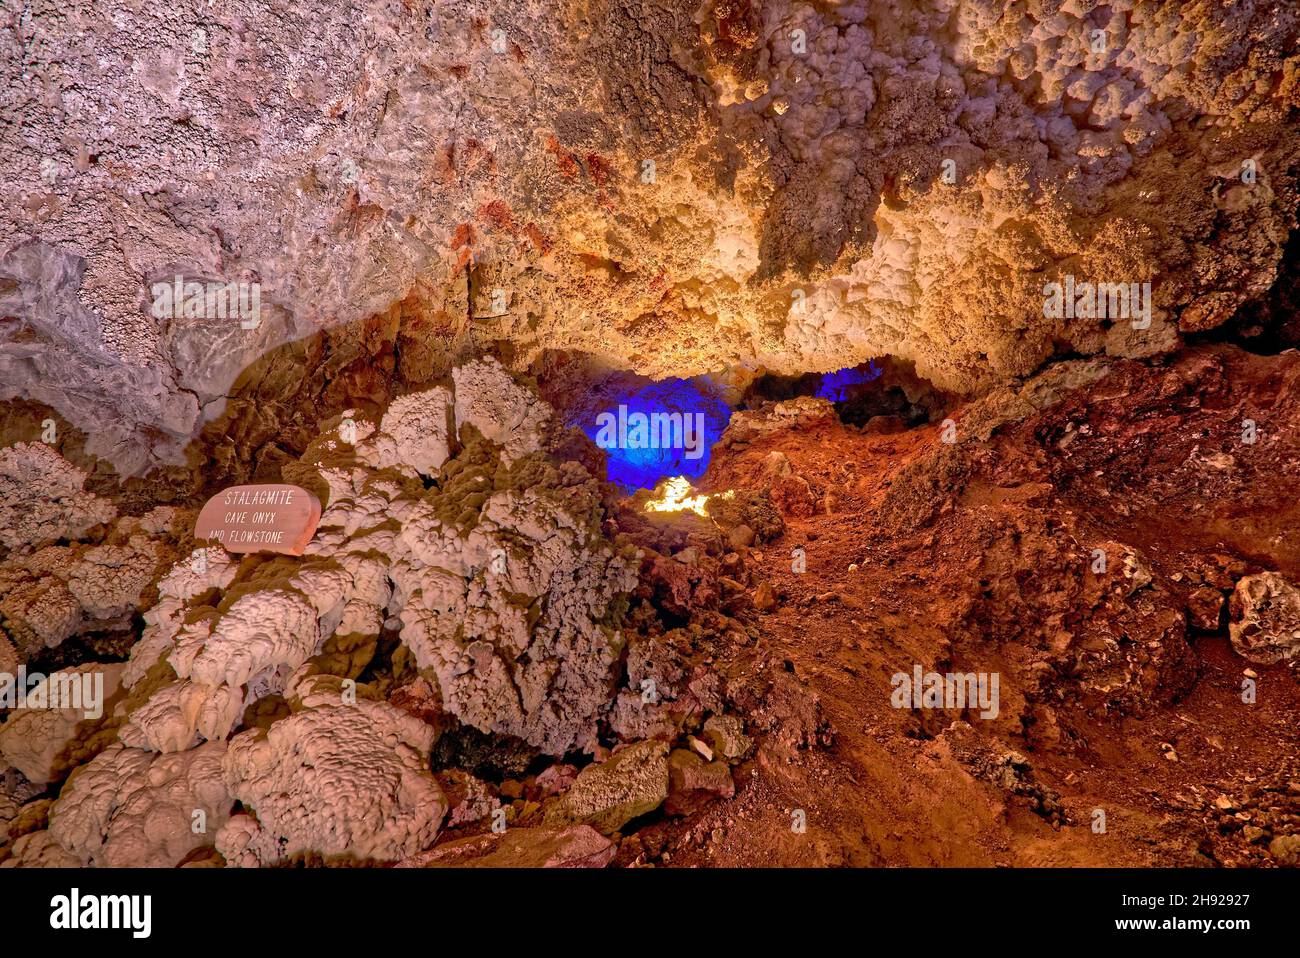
334 781
45 742
43 498
474 544
132 807
53 586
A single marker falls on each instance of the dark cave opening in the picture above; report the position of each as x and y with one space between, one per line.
1269 324
884 394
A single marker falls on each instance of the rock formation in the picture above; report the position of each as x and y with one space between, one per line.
987 309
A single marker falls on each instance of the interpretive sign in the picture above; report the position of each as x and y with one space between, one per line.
263 518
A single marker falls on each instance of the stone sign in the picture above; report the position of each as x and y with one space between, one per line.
262 518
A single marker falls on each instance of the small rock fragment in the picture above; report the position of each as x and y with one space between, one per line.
609 795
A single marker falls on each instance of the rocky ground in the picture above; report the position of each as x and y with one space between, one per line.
1121 692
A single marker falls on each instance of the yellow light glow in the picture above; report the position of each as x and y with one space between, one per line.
677 497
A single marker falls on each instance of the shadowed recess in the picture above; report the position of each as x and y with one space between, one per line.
842 384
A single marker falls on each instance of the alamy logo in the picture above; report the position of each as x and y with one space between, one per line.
1085 300
73 911
933 690
181 300
656 430
62 690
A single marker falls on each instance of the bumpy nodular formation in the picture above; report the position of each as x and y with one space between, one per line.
449 524
690 187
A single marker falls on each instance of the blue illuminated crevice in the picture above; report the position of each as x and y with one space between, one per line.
662 429
842 384
653 430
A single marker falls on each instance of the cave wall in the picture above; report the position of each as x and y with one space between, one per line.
486 164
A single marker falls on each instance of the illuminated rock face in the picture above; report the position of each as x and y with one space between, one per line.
394 252
674 187
659 430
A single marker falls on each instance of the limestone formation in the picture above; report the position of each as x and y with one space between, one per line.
42 498
745 434
1267 618
65 721
129 807
609 795
334 781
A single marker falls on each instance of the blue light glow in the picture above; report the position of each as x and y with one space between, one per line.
839 386
688 420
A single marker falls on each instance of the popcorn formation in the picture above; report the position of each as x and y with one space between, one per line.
798 186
